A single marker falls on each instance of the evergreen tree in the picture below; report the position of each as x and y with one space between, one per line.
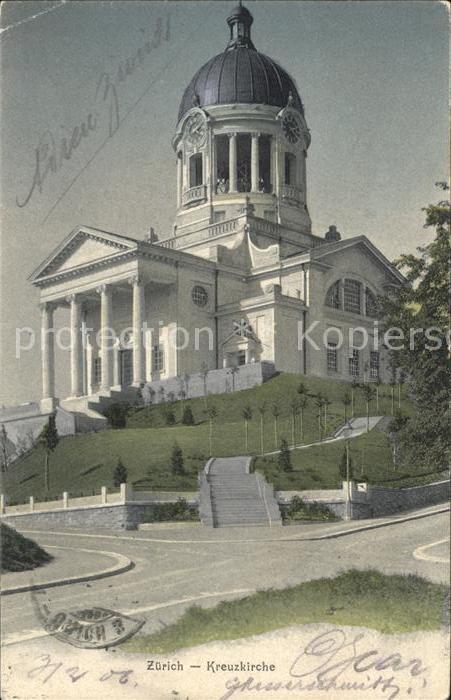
177 464
187 417
50 439
169 415
284 457
120 473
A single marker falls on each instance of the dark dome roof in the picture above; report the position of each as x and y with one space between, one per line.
240 74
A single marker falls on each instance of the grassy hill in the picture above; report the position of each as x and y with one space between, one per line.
82 463
18 553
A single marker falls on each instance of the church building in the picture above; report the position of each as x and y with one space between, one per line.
242 277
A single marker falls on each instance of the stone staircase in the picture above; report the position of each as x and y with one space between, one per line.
236 497
91 410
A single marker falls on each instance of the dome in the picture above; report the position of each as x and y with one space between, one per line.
240 74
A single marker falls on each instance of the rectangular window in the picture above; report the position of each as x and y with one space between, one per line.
351 295
195 170
157 358
332 358
354 363
290 169
97 370
264 167
222 163
243 153
374 365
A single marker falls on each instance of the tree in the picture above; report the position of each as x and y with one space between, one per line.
247 415
233 371
204 374
354 386
177 464
377 385
294 406
169 415
423 303
262 411
120 473
319 400
149 394
187 379
302 389
4 448
49 438
368 392
326 403
212 413
187 417
303 402
275 411
171 397
346 401
161 394
343 468
284 457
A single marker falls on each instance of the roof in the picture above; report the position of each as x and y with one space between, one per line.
240 75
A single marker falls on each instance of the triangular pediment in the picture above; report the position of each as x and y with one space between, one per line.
326 250
83 247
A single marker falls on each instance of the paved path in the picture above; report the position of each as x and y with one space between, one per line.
172 573
357 426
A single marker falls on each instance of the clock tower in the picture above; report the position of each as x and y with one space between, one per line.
241 146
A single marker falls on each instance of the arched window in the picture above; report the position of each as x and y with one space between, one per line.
371 305
333 296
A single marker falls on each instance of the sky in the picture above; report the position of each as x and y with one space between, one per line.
373 77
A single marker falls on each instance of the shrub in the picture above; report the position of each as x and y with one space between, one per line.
299 510
120 473
172 511
116 415
284 458
187 418
169 415
177 464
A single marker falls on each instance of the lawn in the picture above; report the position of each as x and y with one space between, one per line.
317 467
390 604
82 463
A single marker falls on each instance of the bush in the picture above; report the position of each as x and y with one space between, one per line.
299 510
179 511
116 415
19 553
177 464
284 457
169 415
187 418
120 474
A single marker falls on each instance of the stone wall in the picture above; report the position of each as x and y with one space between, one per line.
385 501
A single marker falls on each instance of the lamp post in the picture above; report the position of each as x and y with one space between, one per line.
347 431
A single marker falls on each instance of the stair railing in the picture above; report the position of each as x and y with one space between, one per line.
263 497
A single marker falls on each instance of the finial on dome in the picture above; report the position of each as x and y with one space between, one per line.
239 21
290 100
195 100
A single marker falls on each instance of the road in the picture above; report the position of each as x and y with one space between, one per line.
175 567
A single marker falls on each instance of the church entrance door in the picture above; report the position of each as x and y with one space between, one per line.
126 367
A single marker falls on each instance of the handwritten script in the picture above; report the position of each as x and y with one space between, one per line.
334 662
53 151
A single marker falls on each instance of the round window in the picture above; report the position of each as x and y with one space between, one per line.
199 295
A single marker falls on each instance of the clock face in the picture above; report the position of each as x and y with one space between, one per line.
195 129
292 127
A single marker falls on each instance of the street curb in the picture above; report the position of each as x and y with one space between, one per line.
124 564
374 526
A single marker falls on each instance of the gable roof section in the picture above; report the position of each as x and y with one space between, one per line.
82 246
322 251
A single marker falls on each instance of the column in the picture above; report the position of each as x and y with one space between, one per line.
89 367
47 357
138 320
254 163
106 335
179 180
117 364
232 163
76 378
